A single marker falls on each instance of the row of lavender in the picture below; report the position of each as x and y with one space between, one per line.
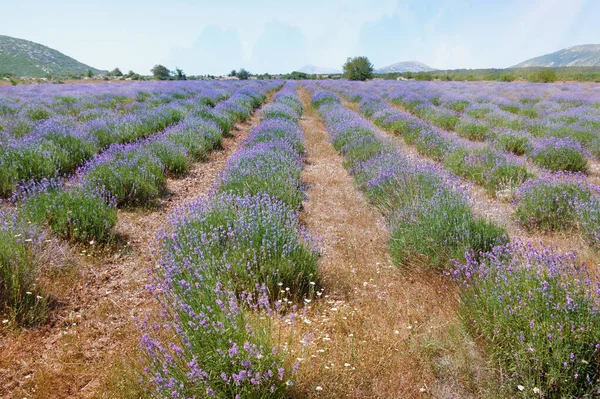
427 212
551 130
553 202
84 208
59 145
536 310
25 109
232 265
497 172
561 149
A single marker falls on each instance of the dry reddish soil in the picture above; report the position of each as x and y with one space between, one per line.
89 346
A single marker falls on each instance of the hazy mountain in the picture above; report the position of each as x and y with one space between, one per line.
24 58
406 66
582 55
312 70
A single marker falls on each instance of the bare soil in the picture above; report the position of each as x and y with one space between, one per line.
89 346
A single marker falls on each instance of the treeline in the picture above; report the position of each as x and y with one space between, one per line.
531 74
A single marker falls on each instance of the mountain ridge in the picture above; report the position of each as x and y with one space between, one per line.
579 55
22 57
405 66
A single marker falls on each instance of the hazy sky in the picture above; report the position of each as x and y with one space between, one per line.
210 36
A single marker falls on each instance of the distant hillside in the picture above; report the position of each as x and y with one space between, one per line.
406 66
583 55
24 58
315 70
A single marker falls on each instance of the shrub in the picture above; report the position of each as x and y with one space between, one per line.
459 105
507 77
249 240
70 151
173 156
276 110
430 222
197 136
20 296
272 168
546 75
559 155
513 141
443 229
537 311
277 129
560 202
472 129
550 203
8 177
440 117
131 175
488 168
358 68
362 148
81 214
322 97
433 144
220 344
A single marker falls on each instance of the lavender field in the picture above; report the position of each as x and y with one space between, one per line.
254 239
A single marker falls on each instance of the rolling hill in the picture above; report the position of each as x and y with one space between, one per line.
582 55
24 58
406 66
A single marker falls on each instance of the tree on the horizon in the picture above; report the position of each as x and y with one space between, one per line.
243 74
179 75
358 68
89 73
233 73
115 72
160 72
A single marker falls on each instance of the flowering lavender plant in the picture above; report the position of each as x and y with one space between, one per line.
559 154
538 313
21 299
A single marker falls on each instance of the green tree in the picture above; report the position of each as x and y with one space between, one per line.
507 77
243 74
89 73
358 68
160 72
547 76
115 72
233 73
179 75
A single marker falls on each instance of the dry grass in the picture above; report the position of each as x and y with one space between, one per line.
89 347
372 320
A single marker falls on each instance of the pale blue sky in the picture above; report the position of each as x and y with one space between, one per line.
205 36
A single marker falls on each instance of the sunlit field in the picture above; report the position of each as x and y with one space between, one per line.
275 239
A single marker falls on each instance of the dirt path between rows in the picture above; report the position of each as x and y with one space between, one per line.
90 345
368 324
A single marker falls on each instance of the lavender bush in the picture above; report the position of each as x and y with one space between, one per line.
488 168
538 313
21 299
79 214
516 142
559 154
